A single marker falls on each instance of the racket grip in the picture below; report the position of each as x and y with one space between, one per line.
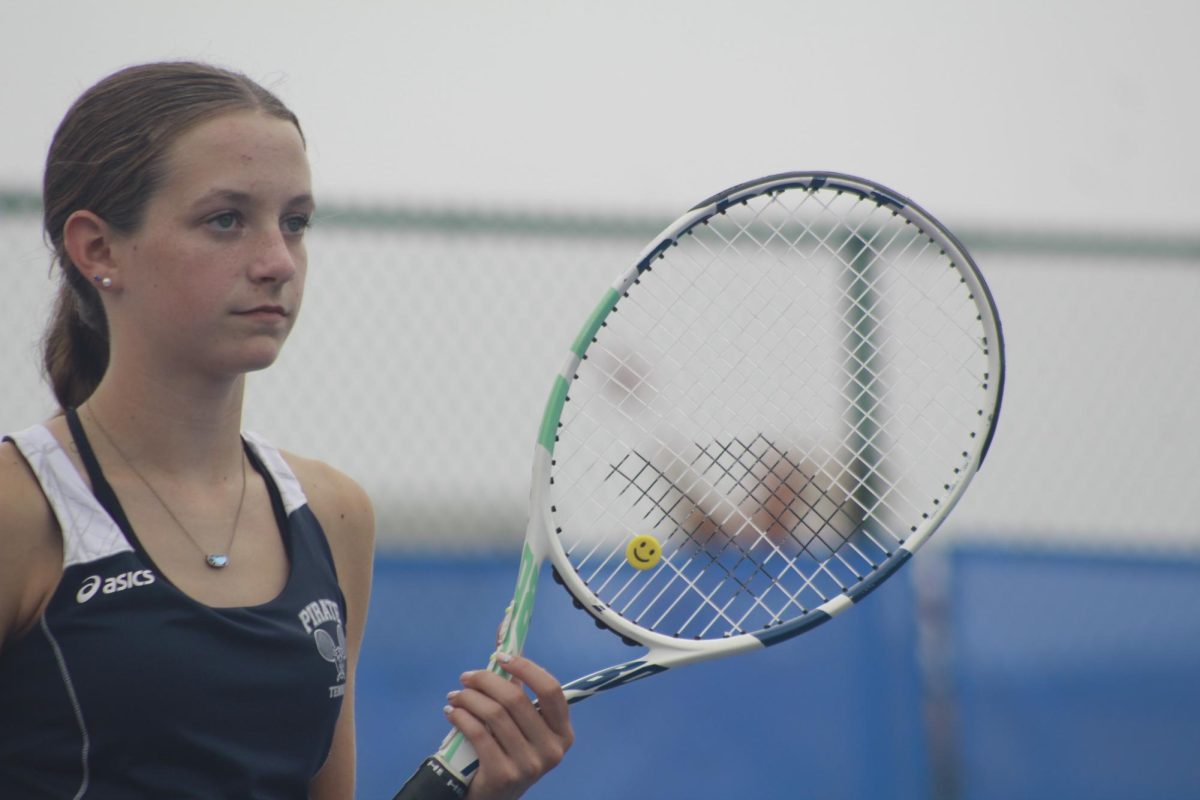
432 781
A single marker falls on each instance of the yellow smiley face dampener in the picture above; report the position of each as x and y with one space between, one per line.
643 552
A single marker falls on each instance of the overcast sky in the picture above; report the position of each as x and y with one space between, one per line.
1016 113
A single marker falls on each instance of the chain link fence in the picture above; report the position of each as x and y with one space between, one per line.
430 337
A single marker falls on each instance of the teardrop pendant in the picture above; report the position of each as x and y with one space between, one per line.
217 560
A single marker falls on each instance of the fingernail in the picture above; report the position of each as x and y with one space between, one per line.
447 709
504 658
452 694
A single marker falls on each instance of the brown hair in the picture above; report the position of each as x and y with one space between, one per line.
108 157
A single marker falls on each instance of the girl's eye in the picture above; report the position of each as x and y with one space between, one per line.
297 224
226 221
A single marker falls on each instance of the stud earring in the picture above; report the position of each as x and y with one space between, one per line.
105 282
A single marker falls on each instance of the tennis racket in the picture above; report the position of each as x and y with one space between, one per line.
759 423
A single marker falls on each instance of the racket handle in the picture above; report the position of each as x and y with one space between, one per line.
432 781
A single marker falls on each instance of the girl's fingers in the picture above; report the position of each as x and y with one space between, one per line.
515 741
551 700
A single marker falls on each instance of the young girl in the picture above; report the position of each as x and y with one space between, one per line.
181 604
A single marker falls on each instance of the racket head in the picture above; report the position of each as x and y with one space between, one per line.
787 392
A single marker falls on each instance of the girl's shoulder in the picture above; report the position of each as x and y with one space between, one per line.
328 488
340 504
23 508
31 549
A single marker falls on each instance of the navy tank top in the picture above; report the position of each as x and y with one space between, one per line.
128 688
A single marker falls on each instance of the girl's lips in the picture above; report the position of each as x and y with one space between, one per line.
263 310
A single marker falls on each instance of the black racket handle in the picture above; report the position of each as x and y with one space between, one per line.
432 781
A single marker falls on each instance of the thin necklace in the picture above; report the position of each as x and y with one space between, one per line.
215 560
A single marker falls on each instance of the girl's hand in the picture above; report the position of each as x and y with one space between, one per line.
516 742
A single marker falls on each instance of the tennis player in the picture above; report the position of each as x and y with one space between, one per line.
181 604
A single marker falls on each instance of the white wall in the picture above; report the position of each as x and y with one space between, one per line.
1047 112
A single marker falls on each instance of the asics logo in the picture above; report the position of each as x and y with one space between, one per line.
114 584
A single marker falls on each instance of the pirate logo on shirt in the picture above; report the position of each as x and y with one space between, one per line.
322 619
334 653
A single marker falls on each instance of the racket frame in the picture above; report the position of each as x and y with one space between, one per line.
664 652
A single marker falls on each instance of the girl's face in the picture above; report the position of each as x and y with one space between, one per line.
213 278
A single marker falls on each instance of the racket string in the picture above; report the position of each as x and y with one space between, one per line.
816 534
679 525
687 354
744 554
878 401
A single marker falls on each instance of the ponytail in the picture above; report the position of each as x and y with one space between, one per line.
75 345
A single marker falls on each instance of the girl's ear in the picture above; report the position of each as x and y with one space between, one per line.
88 241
